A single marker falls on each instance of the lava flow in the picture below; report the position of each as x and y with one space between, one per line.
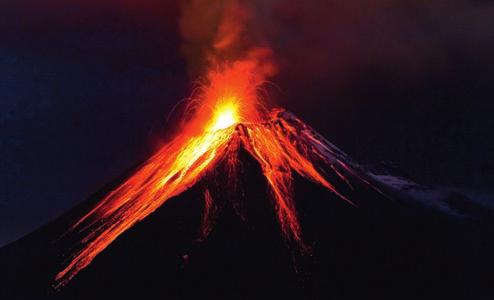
228 116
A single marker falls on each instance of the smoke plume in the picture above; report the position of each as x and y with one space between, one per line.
223 32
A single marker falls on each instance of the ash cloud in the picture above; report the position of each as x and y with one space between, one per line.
336 37
210 29
383 77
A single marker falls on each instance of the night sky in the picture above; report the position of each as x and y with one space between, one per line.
87 88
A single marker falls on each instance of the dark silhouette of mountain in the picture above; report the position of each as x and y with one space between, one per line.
389 247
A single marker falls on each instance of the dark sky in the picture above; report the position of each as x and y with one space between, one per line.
87 86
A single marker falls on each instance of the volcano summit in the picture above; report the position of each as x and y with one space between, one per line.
228 118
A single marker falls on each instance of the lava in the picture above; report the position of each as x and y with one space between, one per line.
281 143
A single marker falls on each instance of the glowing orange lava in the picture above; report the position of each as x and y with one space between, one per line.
228 116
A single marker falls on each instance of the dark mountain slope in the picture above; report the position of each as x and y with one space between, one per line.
384 248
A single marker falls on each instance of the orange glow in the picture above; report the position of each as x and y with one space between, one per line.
225 115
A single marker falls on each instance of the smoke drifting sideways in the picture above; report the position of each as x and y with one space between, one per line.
425 63
412 74
338 37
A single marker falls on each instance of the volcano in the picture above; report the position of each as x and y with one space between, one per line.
246 200
347 234
228 119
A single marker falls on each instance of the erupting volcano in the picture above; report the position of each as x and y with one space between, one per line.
229 112
228 115
242 199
